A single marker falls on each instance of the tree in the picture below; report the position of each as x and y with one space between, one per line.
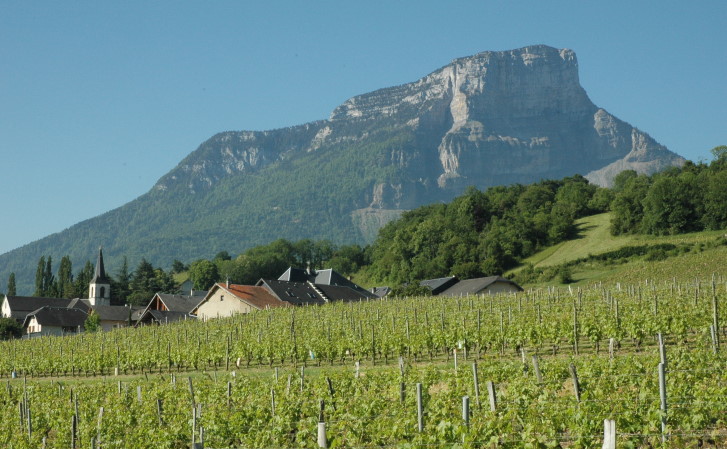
178 267
39 277
92 323
142 283
626 208
670 205
163 281
410 289
222 255
65 278
11 285
203 274
49 286
622 179
83 278
601 200
720 155
9 328
146 281
715 201
120 285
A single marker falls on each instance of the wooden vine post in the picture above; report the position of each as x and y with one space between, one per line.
420 409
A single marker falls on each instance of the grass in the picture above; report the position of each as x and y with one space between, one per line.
594 238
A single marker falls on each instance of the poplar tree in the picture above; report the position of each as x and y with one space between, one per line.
65 278
11 285
120 285
39 277
50 289
83 278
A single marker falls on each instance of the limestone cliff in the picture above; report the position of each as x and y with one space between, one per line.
488 119
498 117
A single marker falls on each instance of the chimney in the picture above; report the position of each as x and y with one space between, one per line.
228 283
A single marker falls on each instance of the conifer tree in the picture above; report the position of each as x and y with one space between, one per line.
83 278
65 278
11 285
39 277
120 285
50 289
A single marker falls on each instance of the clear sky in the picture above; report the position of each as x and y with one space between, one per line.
99 99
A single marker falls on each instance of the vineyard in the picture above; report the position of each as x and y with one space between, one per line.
541 368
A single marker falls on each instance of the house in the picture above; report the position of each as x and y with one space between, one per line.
49 320
322 277
308 293
187 288
380 292
19 307
439 285
294 293
110 317
114 317
487 285
166 308
227 299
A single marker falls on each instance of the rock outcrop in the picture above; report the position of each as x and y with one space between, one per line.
493 118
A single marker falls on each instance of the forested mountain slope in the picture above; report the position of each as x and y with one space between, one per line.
490 119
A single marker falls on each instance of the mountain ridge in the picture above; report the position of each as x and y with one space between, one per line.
493 118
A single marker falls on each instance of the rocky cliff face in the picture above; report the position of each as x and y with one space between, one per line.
493 118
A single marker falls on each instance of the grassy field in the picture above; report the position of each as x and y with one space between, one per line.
700 261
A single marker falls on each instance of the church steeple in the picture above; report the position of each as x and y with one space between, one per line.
100 274
99 290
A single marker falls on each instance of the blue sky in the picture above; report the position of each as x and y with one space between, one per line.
99 99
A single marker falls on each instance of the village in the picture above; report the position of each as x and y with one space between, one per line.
295 287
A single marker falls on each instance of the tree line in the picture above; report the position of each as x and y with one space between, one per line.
681 199
479 233
135 288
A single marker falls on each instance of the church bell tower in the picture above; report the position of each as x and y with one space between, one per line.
99 290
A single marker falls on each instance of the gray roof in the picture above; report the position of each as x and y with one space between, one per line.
439 285
296 293
332 277
57 317
475 286
20 306
296 275
163 316
323 277
179 303
340 293
81 304
381 291
113 313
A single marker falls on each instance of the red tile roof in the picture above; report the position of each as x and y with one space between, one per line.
258 297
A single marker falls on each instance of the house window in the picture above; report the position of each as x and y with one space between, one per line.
222 297
290 293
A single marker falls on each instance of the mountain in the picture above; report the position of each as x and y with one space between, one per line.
493 118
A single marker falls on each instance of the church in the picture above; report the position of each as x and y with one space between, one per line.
59 316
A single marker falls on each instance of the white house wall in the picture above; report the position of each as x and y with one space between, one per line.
6 312
221 304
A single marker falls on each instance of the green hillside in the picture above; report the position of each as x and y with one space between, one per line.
698 254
